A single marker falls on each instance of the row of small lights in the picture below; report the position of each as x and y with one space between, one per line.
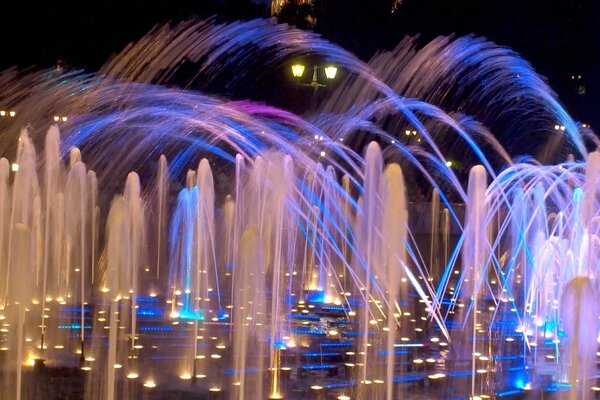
12 114
562 127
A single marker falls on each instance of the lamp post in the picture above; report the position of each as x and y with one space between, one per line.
329 70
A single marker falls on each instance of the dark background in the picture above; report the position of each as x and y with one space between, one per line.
560 38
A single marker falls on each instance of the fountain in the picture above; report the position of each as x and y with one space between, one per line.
171 243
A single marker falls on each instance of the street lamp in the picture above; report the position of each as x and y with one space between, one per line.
330 74
297 70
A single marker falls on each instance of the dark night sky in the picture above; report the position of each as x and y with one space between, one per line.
560 38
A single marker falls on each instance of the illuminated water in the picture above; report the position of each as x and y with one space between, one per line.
162 242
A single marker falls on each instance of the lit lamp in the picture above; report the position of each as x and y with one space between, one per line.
297 70
330 72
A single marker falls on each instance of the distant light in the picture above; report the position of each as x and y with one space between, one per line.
330 72
322 154
64 119
132 375
584 125
556 127
150 384
407 132
56 118
297 70
14 167
12 113
449 164
30 362
436 376
562 128
414 133
2 113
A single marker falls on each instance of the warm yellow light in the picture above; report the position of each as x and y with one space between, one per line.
14 167
449 164
30 362
56 118
330 72
64 119
132 375
2 113
12 113
297 70
149 384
